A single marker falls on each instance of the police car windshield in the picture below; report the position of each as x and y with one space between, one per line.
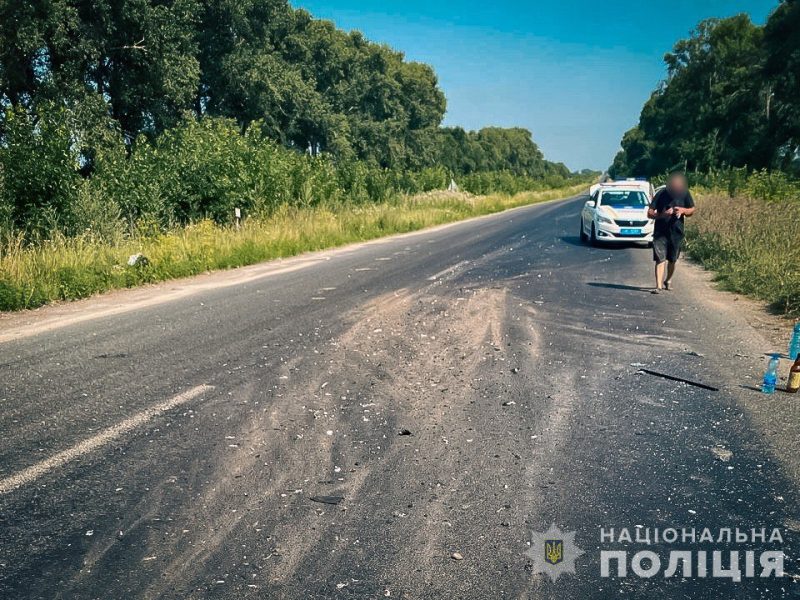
621 198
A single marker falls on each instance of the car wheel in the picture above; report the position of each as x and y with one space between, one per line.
584 237
594 236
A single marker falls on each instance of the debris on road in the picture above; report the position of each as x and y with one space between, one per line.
680 379
327 499
456 556
722 453
404 432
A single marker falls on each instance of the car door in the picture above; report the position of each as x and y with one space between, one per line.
589 209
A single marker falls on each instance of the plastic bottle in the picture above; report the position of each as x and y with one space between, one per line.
771 374
794 345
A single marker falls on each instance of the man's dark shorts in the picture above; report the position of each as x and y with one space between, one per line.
667 247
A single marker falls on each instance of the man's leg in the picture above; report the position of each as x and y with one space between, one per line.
673 252
671 264
659 256
660 266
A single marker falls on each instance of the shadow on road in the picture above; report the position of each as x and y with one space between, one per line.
573 240
619 286
752 388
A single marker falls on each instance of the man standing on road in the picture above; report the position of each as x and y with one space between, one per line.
668 208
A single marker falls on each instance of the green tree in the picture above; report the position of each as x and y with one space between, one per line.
782 70
137 54
711 111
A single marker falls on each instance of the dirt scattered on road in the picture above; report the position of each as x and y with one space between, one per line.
422 362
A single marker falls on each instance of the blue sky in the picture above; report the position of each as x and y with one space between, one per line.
574 72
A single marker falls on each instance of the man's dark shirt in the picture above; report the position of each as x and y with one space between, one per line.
664 200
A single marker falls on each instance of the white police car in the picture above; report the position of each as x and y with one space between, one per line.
617 212
637 182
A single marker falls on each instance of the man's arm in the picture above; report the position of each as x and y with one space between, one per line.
652 213
685 211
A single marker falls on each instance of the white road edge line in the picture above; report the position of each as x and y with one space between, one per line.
101 439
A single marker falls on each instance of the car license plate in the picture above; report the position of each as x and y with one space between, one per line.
631 231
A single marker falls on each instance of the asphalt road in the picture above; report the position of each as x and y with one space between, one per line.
172 449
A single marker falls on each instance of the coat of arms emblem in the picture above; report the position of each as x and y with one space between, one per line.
553 552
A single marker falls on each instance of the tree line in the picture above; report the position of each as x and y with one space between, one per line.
92 88
731 99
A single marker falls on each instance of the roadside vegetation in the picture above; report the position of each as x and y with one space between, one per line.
71 267
65 234
157 126
747 230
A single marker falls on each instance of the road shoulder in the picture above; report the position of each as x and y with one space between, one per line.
745 332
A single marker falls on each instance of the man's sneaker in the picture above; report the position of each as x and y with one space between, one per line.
655 291
667 286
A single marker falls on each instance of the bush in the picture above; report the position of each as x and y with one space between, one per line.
506 182
205 169
39 168
66 171
44 160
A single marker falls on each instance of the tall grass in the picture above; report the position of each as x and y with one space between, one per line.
751 242
67 268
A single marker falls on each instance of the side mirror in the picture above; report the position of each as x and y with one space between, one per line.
590 203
